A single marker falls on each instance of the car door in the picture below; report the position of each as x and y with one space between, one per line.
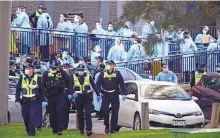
206 95
127 107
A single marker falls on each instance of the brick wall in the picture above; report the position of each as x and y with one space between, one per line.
90 9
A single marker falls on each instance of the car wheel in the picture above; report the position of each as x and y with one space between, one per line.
9 117
46 120
137 122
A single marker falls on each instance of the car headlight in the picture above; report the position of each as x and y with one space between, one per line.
155 112
197 113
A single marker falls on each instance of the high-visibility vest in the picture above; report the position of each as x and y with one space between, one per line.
37 14
110 82
80 88
198 76
27 91
58 81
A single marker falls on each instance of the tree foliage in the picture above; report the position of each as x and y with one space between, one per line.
172 12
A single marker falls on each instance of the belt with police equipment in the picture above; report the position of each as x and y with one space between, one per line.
109 91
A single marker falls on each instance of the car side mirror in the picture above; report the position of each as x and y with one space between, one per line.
195 98
131 96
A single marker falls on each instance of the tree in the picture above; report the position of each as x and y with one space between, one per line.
172 12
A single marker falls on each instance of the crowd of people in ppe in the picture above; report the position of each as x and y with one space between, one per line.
55 86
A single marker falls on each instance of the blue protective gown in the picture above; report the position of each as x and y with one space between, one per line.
169 76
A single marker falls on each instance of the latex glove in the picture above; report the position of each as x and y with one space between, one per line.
70 97
75 95
99 98
44 104
124 97
17 104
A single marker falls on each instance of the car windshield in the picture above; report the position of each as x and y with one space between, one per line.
164 92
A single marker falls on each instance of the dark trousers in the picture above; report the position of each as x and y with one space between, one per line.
39 117
112 99
28 110
44 53
66 122
83 107
57 110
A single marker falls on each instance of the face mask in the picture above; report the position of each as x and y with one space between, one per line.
107 67
37 70
152 22
61 18
81 62
76 20
53 71
217 69
80 73
98 26
27 72
66 70
204 31
110 28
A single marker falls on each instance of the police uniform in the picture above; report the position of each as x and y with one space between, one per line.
39 117
110 82
35 15
82 88
12 72
198 75
31 90
55 83
68 102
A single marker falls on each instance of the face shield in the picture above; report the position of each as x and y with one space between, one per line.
128 25
97 48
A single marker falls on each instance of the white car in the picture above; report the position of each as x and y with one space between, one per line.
169 105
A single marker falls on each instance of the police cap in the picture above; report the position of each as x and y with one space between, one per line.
110 62
67 65
202 65
29 66
37 64
29 60
55 64
81 67
12 63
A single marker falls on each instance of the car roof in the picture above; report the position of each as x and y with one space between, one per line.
149 81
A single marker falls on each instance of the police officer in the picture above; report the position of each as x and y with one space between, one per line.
83 96
55 82
39 117
12 70
30 88
66 68
198 74
36 15
108 83
99 61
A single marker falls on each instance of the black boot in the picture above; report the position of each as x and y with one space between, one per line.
106 129
88 133
82 132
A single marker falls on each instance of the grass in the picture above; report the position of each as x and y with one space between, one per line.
159 134
18 131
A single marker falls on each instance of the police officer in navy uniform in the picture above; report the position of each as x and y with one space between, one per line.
99 61
31 90
12 70
198 74
66 68
109 83
82 82
55 82
39 117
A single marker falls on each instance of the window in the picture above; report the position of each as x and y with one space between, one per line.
211 82
124 74
132 88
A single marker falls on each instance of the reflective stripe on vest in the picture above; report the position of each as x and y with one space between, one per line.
198 76
52 75
27 88
80 87
37 14
106 75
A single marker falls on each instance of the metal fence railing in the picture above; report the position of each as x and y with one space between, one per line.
182 65
41 43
